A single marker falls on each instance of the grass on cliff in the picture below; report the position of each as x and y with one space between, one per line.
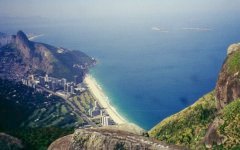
230 129
233 62
188 127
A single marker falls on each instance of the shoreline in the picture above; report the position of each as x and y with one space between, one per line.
102 99
35 36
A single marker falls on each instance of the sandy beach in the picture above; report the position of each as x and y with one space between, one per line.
102 99
34 37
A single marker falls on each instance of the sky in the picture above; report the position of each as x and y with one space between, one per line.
114 8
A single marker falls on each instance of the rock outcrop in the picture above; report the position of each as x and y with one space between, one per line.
25 46
107 139
233 48
228 84
212 137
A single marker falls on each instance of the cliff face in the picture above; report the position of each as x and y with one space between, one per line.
107 139
212 121
20 56
24 45
228 84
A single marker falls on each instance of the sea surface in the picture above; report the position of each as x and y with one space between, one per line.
149 67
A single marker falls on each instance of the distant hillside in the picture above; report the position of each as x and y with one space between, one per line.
19 56
213 120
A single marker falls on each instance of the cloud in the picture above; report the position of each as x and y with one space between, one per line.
197 29
159 29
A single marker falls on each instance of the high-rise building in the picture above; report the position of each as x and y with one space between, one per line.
63 81
72 89
65 87
25 82
68 88
90 112
102 112
105 121
95 104
46 78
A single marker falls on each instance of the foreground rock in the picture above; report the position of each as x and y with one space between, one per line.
228 84
107 139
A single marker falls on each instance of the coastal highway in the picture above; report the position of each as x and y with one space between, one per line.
75 108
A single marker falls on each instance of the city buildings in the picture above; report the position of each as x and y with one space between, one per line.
63 88
105 121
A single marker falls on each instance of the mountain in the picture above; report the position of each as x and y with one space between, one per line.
20 56
213 120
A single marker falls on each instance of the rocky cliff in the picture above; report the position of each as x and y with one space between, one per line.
20 56
212 121
228 84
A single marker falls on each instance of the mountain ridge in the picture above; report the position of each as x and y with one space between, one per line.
41 58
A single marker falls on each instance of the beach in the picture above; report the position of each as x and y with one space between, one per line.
102 99
35 36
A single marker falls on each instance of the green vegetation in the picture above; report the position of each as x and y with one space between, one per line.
17 102
21 106
230 129
188 127
63 63
39 138
35 118
59 115
233 62
83 102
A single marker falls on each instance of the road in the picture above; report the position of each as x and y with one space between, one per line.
75 108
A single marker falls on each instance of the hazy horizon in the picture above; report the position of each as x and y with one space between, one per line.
106 8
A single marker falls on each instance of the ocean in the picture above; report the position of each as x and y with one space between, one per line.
149 67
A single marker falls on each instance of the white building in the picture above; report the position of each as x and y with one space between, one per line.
63 81
105 120
46 78
72 89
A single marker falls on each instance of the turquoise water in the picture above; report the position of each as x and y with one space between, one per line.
147 74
